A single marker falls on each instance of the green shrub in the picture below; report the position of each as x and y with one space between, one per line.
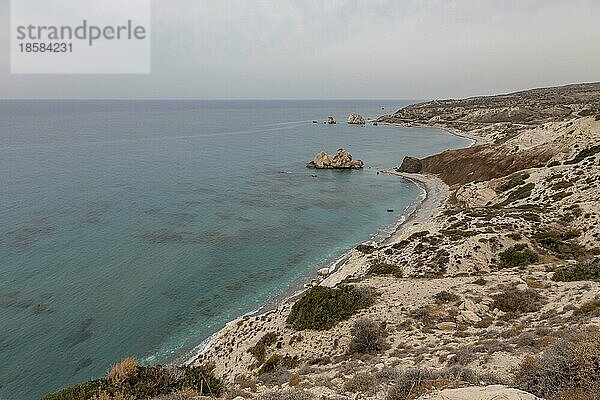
561 195
401 244
463 356
520 193
83 391
385 269
456 234
321 308
587 271
362 382
479 281
583 154
569 365
562 185
366 249
513 300
513 183
201 379
147 382
259 350
368 337
586 113
277 361
561 244
589 307
517 256
418 235
446 297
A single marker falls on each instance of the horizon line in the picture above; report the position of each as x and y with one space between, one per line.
207 99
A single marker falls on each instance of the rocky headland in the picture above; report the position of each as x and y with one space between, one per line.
490 290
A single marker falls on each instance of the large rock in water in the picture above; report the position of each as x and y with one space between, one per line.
412 165
340 160
356 119
330 120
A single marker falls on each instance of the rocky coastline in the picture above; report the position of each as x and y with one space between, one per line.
476 250
488 290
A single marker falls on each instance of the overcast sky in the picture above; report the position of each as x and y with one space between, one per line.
310 49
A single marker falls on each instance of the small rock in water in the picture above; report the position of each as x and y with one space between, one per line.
390 210
330 120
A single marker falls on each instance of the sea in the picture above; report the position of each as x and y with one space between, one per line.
141 227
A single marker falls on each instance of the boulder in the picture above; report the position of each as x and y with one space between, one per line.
492 392
470 317
340 160
469 305
356 119
322 160
411 165
323 272
330 120
446 326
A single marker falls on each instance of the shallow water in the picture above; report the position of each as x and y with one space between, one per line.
141 227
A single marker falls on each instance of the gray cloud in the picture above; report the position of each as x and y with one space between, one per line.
345 49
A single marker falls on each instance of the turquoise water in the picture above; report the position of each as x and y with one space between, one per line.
141 227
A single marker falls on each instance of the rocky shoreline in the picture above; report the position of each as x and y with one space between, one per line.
490 288
435 195
460 260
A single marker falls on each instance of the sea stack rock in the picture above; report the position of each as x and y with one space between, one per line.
411 165
340 160
331 120
356 119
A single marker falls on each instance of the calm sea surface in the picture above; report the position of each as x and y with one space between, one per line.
141 227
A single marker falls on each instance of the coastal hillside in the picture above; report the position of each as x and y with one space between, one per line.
522 130
491 289
500 116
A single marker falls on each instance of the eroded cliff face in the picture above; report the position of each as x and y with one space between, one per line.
482 163
524 130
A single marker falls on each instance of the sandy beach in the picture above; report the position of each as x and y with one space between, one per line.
435 196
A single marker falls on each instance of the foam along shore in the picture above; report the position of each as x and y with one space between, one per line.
418 219
351 264
476 139
346 266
